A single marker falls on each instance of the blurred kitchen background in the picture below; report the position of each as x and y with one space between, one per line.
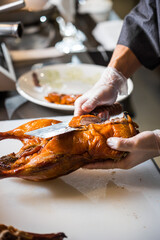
146 94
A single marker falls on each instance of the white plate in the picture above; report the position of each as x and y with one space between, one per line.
62 78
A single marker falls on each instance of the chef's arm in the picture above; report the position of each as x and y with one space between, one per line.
141 32
113 81
124 60
138 43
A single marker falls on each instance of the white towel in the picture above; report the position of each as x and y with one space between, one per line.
107 33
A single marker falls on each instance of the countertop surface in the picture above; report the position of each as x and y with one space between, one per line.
97 204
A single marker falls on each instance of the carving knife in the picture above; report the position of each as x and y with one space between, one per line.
61 128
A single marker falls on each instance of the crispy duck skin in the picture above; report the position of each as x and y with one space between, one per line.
58 98
11 233
42 159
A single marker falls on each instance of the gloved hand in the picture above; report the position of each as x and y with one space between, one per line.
104 92
141 147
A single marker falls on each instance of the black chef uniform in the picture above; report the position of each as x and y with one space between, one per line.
141 32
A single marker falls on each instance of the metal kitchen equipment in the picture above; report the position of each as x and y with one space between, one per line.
31 13
12 6
8 29
53 130
13 29
63 127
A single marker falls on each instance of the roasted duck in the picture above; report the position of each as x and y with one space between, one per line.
42 159
54 97
58 98
11 233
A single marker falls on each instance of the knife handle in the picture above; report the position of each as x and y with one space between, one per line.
108 111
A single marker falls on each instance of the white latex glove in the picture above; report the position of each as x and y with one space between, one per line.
143 146
104 92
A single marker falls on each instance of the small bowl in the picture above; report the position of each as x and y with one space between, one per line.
99 10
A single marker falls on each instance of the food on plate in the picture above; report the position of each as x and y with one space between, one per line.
35 79
58 98
11 233
54 97
42 159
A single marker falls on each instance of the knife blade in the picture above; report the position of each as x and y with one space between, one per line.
53 130
61 128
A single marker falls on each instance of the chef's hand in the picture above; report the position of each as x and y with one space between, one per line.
104 92
141 147
113 81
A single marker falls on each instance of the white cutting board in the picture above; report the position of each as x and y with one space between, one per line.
85 205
